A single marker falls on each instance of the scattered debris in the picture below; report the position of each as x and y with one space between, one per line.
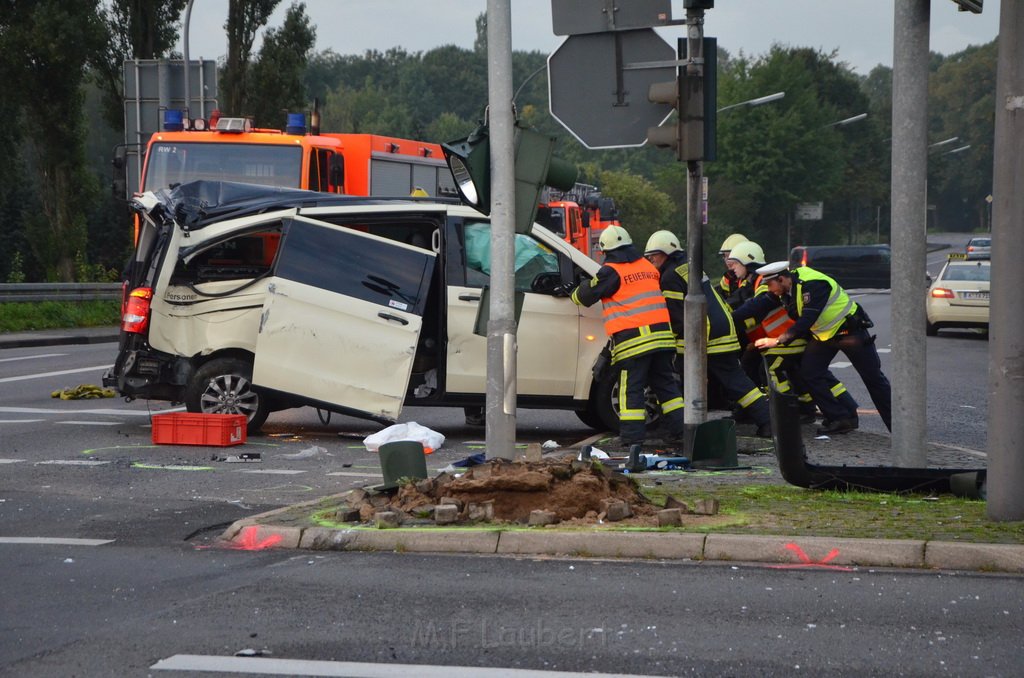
83 392
307 453
237 458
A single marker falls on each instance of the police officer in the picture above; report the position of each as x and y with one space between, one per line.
637 320
831 322
723 347
762 314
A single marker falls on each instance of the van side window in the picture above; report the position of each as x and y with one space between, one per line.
532 257
355 265
239 258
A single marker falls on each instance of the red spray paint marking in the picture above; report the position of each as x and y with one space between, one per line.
248 542
805 560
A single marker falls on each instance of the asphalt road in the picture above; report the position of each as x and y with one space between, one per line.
155 590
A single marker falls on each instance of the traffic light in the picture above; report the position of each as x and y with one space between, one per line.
969 5
535 167
692 136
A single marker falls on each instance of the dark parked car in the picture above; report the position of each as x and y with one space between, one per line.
852 266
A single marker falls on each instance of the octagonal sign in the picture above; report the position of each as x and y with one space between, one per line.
603 104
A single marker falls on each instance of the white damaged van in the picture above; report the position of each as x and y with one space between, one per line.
244 299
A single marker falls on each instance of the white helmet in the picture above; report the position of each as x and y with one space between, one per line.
748 253
731 241
613 237
665 242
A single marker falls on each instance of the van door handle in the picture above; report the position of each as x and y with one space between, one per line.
469 297
388 316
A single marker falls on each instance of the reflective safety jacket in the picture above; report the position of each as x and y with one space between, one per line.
767 317
635 315
833 313
721 331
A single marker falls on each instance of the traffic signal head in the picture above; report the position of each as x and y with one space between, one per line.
469 161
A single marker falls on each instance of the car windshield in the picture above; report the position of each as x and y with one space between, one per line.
967 273
267 165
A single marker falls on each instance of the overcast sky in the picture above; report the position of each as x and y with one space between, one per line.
861 30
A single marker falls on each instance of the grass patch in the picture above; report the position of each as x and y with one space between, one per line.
51 315
789 510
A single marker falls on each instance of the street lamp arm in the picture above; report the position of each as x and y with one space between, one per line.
847 121
755 102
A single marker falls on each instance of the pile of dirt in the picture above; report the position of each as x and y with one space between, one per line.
509 491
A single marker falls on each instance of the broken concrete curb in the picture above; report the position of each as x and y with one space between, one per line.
777 550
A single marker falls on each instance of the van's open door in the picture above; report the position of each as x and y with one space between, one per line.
342 318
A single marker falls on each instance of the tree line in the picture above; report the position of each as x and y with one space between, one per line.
61 67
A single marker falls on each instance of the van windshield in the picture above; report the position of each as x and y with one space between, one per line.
178 163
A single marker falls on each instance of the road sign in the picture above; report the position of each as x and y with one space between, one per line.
569 17
809 211
597 97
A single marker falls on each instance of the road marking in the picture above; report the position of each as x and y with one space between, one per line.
20 421
10 461
310 667
91 423
43 375
101 410
839 365
33 357
356 474
270 471
63 541
884 350
73 462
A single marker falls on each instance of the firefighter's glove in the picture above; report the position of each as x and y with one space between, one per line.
563 290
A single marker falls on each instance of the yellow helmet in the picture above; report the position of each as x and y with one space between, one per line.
748 253
731 241
665 242
613 237
418 192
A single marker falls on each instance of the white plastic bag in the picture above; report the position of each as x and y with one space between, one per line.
430 439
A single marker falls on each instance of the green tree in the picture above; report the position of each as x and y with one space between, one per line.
643 209
135 29
277 72
245 18
45 46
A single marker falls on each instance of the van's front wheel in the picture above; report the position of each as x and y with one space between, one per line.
224 386
603 407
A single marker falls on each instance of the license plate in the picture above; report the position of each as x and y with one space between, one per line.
975 295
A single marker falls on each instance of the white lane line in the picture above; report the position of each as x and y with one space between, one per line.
20 421
10 461
73 462
102 410
91 423
42 375
355 474
61 541
32 357
309 667
271 471
838 365
884 350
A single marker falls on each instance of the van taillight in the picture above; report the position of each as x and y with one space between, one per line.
136 312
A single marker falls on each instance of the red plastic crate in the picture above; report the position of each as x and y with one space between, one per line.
182 428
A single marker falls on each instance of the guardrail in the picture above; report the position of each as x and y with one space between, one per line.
15 292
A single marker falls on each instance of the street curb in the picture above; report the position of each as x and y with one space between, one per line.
26 340
785 552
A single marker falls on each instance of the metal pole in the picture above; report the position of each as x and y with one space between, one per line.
184 51
695 381
909 212
501 328
1006 328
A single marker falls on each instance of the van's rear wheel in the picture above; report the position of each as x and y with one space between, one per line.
224 386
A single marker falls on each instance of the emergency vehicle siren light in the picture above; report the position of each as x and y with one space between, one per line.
234 125
173 120
296 124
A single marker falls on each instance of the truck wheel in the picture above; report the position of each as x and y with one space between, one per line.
224 386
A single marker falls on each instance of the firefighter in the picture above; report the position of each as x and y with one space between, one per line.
637 320
830 322
727 285
762 314
723 347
